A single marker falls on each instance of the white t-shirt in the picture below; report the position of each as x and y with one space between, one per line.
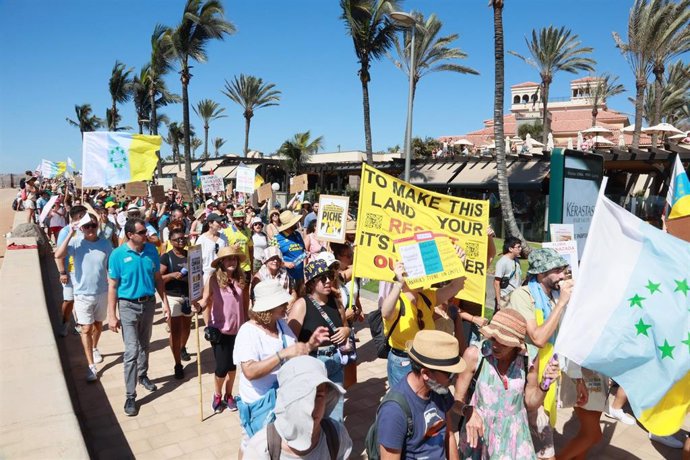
208 252
258 447
254 344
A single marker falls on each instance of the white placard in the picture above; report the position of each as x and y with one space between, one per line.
245 179
49 205
568 249
562 232
332 218
212 184
195 275
84 220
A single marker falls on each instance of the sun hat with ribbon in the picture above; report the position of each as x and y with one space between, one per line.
288 219
544 259
315 268
437 350
271 252
298 380
228 251
507 327
268 295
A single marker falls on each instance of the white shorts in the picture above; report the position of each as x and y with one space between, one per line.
68 290
176 306
29 204
90 308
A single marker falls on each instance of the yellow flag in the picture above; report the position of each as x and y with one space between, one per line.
258 181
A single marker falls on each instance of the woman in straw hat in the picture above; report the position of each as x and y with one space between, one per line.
322 308
495 409
263 345
291 245
273 223
224 299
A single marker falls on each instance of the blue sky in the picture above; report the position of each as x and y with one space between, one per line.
60 53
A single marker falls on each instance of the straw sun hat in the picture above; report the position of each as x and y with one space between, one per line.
436 350
507 327
288 219
228 251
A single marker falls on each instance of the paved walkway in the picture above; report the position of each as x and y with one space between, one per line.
168 424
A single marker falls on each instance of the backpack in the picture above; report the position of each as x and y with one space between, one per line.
375 321
327 425
371 443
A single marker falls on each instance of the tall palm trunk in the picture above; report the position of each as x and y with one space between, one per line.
595 113
247 124
367 119
658 88
205 141
546 123
499 137
113 117
153 126
640 85
141 126
185 128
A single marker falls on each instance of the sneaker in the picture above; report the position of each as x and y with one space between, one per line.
184 356
92 374
64 329
669 441
230 403
97 358
618 414
131 407
147 383
217 404
179 371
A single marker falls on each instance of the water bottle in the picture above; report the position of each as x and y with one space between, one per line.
184 271
546 383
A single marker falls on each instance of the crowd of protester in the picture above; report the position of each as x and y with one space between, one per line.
279 306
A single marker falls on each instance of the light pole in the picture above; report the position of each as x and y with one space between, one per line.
408 21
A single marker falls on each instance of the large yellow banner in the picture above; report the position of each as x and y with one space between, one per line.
390 207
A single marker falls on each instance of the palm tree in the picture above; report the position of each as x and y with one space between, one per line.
251 93
140 97
644 21
202 21
299 149
606 86
86 121
675 94
552 50
159 65
120 86
218 142
673 40
114 121
208 110
174 138
195 144
372 33
431 51
499 92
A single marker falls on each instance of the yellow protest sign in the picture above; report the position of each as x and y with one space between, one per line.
390 209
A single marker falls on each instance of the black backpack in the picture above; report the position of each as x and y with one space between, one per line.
375 321
371 443
327 425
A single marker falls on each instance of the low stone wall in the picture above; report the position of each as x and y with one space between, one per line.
37 419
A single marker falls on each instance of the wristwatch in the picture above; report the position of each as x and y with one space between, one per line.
63 273
280 360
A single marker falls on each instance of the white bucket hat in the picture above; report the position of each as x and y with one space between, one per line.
297 382
329 258
268 295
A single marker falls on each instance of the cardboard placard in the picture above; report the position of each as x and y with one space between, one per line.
136 189
120 194
77 182
158 193
331 220
263 193
228 190
211 184
299 183
181 185
679 227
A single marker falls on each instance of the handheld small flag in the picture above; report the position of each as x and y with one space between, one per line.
678 197
112 158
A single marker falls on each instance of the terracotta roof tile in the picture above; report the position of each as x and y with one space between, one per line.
525 84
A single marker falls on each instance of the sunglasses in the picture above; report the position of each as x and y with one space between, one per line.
182 239
448 375
89 226
216 248
142 232
330 276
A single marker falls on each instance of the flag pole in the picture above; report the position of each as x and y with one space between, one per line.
198 368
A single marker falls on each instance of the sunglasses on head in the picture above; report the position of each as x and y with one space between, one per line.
89 226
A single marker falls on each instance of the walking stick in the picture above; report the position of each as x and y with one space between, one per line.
198 368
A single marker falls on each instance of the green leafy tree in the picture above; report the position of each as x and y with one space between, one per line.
372 33
86 121
552 50
202 21
218 142
424 148
605 87
208 111
159 65
251 93
195 144
536 130
175 138
298 150
140 97
675 94
120 86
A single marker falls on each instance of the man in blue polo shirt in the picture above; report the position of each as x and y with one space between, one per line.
134 276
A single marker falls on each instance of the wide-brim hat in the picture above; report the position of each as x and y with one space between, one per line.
315 268
199 213
351 227
544 259
210 202
436 350
298 380
507 327
271 252
268 295
228 251
288 219
274 211
133 207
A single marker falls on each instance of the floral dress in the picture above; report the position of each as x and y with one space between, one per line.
506 431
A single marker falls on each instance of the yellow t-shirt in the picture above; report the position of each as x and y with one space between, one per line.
407 327
244 241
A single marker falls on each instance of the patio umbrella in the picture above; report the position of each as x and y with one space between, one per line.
580 140
507 146
621 140
597 130
549 143
662 128
570 144
462 142
601 140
